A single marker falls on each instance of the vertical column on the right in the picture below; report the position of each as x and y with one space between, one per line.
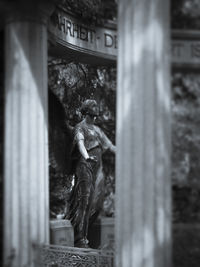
143 186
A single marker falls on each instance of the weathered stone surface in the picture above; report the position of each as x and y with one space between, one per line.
26 217
61 233
143 187
101 234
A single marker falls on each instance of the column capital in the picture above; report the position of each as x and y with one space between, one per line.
30 11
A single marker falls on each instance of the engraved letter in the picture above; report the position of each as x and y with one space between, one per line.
195 50
61 25
108 40
83 33
69 27
76 29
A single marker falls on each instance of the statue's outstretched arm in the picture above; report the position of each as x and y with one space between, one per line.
112 148
105 142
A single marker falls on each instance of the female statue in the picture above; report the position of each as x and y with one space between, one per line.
89 143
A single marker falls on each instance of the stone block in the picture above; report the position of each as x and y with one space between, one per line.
101 234
61 233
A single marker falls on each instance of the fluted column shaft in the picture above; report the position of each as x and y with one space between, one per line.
26 216
143 201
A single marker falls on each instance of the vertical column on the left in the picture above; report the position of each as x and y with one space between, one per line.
26 190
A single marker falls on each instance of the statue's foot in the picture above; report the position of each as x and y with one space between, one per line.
82 243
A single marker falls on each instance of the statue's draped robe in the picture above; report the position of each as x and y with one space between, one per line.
87 196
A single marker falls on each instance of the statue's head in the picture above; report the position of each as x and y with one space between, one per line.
90 107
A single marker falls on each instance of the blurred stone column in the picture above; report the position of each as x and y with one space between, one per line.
143 189
26 192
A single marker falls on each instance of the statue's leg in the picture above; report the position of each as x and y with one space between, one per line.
88 212
83 215
81 203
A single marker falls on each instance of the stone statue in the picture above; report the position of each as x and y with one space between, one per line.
88 145
78 151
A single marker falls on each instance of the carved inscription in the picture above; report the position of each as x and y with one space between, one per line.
75 30
98 37
185 51
195 50
72 33
110 40
177 49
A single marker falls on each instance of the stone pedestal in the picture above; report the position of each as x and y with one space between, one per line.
26 192
143 190
101 234
61 233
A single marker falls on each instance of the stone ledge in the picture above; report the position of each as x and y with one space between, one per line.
49 255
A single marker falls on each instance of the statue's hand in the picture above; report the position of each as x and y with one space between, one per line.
92 159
